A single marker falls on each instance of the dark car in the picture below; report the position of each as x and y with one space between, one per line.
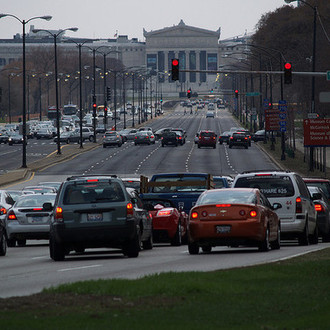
170 138
112 138
224 137
238 139
4 136
207 139
15 138
324 184
247 134
94 212
181 138
159 133
259 135
144 137
183 132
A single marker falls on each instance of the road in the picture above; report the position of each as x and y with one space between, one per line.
27 270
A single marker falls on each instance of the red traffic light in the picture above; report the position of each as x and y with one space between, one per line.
288 66
236 93
175 62
94 105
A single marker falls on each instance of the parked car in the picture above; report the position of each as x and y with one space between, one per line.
144 137
233 217
28 219
6 202
94 212
297 215
259 135
322 208
111 138
207 139
238 139
169 138
224 137
169 223
53 184
4 137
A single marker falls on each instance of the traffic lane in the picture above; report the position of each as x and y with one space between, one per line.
28 270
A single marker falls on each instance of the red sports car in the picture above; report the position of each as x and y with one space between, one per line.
169 223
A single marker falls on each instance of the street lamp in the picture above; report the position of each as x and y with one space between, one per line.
55 35
311 160
24 22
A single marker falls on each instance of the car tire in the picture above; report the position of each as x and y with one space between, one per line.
199 146
149 243
133 247
314 238
177 239
220 142
91 139
21 242
230 146
246 147
193 248
207 248
214 146
119 145
265 245
303 238
67 141
163 145
276 245
3 244
11 242
56 250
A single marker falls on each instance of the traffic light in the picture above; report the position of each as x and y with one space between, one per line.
189 93
108 94
236 93
288 73
105 111
94 106
175 69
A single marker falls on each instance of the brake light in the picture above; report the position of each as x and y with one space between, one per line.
150 215
298 205
231 138
318 207
12 215
129 209
92 180
3 210
245 138
194 215
253 213
37 209
223 205
164 213
59 214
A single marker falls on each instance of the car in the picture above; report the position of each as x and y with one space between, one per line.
210 106
159 133
210 114
181 138
259 136
128 134
87 133
297 215
131 183
169 223
144 137
247 134
183 132
44 133
68 137
111 138
94 212
169 138
224 137
39 189
220 182
28 219
145 129
15 138
6 202
324 184
4 137
238 139
54 184
207 138
233 217
322 208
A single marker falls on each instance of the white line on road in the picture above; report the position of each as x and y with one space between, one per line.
78 268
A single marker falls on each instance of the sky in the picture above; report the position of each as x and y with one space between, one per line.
103 19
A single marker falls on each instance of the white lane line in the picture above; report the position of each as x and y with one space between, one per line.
78 268
43 257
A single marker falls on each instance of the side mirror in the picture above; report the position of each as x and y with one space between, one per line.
277 206
47 206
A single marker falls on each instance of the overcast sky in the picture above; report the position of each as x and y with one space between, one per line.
102 18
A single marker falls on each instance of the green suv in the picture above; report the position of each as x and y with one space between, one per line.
95 212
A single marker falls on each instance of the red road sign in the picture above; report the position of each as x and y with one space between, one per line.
317 132
272 120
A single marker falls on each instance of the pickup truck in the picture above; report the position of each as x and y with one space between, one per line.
183 189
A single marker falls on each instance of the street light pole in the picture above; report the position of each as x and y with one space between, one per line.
24 22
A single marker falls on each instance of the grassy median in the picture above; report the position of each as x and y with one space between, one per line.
291 294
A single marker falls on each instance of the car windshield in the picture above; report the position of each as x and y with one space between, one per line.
227 197
270 186
34 200
93 192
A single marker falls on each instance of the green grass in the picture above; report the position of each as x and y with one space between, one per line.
292 294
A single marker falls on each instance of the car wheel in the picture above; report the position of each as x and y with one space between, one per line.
162 144
265 245
67 141
207 248
149 243
177 239
303 238
193 248
119 145
276 245
3 244
56 250
104 146
91 139
132 248
214 146
314 238
220 142
199 146
246 146
230 146
21 242
11 242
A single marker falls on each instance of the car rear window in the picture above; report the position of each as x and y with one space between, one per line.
225 196
185 188
325 186
207 134
270 186
93 192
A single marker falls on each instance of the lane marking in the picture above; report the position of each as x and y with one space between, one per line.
78 268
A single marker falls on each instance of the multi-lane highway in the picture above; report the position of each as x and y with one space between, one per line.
26 270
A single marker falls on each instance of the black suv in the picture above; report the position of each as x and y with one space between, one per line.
239 139
94 212
170 138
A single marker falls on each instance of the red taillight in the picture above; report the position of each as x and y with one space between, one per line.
231 138
253 213
223 205
150 215
3 210
12 215
245 138
37 209
318 207
92 180
152 136
58 213
136 138
164 213
129 209
298 205
194 215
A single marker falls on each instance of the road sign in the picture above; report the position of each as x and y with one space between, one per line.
272 120
317 132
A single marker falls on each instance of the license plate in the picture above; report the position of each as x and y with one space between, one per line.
94 217
36 219
223 229
238 140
